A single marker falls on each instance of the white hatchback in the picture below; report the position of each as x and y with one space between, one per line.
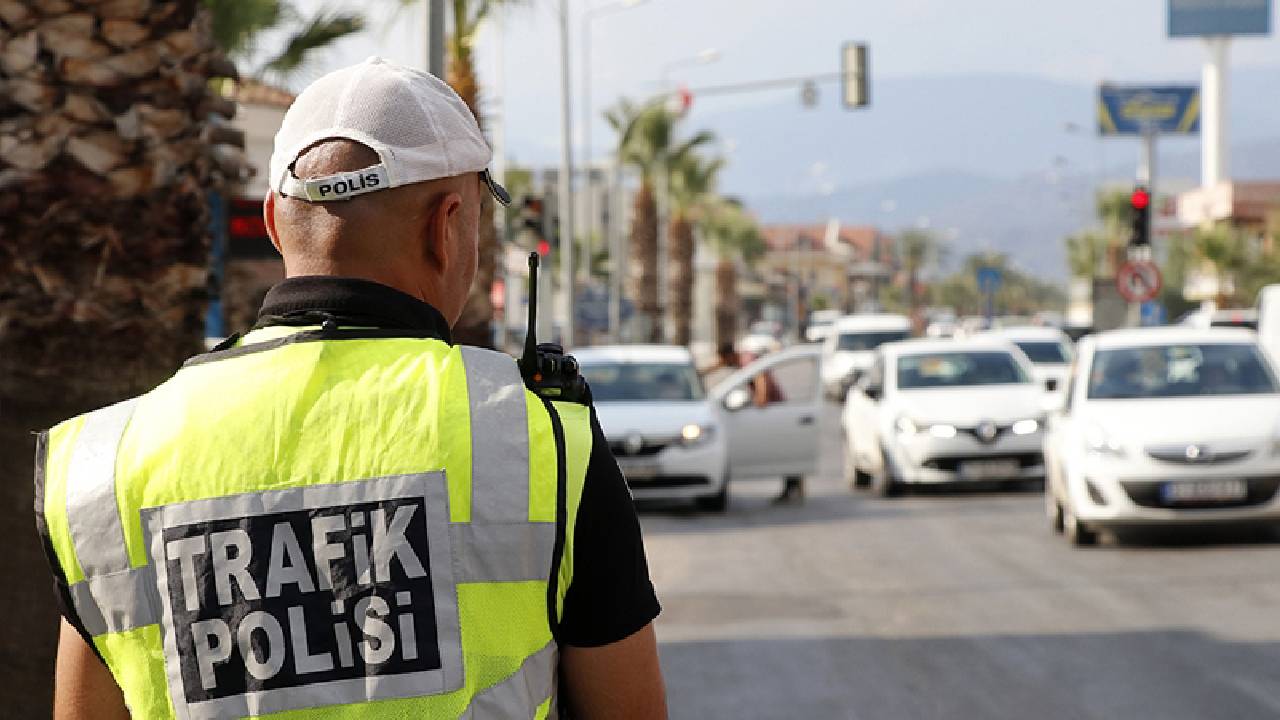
1049 350
931 411
851 344
673 441
1165 425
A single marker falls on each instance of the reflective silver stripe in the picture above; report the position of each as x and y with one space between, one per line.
520 695
93 518
499 438
117 602
502 553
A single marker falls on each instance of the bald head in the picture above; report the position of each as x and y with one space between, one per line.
418 238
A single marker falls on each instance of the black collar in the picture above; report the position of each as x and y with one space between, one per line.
309 300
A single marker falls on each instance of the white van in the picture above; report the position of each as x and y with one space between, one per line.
851 346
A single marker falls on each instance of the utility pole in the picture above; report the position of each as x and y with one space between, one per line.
434 12
566 179
1213 126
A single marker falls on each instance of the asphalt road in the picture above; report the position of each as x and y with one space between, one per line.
955 605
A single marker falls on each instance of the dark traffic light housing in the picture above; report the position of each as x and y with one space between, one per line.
1140 217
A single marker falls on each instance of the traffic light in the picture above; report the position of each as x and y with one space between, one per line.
855 66
1140 217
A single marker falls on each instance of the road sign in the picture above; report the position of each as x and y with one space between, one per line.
1152 313
1194 18
1139 281
989 279
1141 109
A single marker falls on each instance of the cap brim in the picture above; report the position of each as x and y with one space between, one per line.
499 193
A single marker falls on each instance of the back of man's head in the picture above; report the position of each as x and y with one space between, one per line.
376 173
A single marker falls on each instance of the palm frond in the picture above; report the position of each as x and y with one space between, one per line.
238 23
320 32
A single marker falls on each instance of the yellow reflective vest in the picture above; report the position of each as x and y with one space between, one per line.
323 522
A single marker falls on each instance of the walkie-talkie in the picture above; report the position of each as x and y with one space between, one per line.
546 369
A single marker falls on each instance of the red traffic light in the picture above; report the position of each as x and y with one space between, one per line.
1140 199
544 248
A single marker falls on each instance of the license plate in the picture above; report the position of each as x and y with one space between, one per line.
989 469
638 470
1225 490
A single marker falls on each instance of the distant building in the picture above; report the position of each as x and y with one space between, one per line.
829 264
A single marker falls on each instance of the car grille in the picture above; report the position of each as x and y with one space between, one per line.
1202 455
670 481
650 447
1147 494
952 464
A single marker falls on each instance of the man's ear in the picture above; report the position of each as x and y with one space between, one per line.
440 229
269 217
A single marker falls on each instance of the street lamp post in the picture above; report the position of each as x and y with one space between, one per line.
566 181
591 14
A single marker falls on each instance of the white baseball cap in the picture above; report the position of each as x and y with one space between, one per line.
418 126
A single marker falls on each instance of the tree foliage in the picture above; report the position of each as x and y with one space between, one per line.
239 26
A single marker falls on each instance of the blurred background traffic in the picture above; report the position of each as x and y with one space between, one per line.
889 309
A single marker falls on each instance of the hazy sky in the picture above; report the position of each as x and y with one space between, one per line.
1076 41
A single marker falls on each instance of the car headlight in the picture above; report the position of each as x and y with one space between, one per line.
1098 441
907 426
1026 427
695 434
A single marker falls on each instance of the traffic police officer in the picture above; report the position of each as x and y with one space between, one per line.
341 514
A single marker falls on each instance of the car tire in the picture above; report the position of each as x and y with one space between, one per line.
1078 534
717 503
884 482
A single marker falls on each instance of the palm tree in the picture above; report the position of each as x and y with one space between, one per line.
736 239
917 250
646 134
1086 252
692 181
104 246
238 26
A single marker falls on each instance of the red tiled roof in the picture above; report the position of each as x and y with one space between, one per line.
813 237
253 92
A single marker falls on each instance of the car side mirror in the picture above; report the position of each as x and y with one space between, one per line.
737 399
1051 384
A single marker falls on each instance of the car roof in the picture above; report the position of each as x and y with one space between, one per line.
922 346
872 321
1139 337
1027 332
673 354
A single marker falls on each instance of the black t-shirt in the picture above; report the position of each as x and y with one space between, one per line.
611 596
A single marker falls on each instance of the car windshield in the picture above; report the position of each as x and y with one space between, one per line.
1048 352
641 381
1179 371
860 341
957 369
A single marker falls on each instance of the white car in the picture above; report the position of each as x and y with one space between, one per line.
1048 349
851 344
1165 425
673 441
664 432
819 325
931 411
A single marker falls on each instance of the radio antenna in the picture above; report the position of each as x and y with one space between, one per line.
529 361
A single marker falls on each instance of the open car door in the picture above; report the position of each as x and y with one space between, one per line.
772 411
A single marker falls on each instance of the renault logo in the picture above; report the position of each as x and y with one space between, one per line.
987 431
1194 453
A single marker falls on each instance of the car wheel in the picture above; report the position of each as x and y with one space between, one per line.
852 475
1078 534
717 503
884 482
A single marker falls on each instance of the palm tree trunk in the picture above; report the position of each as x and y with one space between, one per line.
104 249
643 268
680 271
475 327
726 302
